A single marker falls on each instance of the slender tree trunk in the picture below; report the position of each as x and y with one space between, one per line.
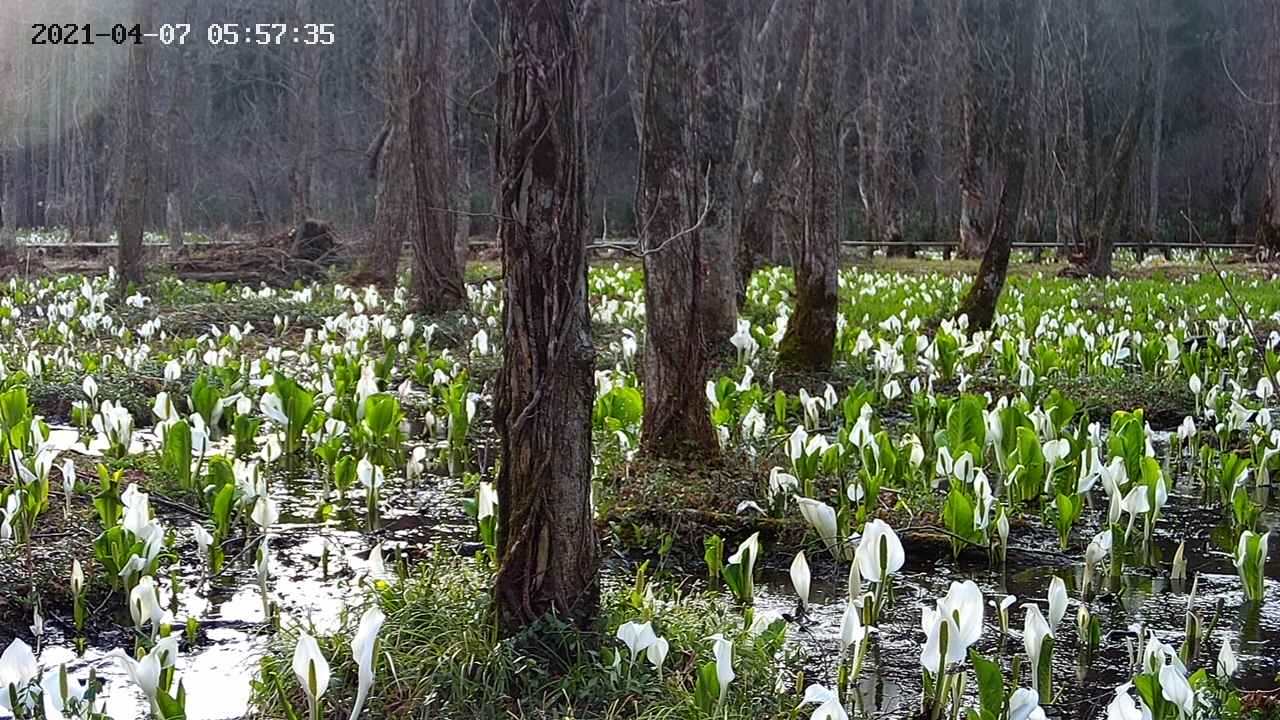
456 66
304 109
600 87
1271 220
1102 247
437 272
544 395
173 220
177 143
980 304
1157 127
976 212
135 130
809 343
8 230
670 197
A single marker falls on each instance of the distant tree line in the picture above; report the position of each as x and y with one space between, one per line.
1138 112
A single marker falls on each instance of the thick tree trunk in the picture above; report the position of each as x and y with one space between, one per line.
768 158
437 272
809 343
980 304
547 538
715 44
135 130
670 198
394 221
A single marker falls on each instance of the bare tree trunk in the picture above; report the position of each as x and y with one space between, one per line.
135 130
809 343
176 141
980 304
304 109
1102 247
670 197
976 217
1271 220
1157 126
764 159
456 65
600 86
437 272
544 394
393 213
394 219
972 238
8 229
715 43
173 220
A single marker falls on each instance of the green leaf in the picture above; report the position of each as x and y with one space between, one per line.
1044 673
957 516
1068 512
1148 687
706 692
713 555
990 685
965 422
172 708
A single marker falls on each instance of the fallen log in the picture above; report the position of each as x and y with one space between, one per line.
305 252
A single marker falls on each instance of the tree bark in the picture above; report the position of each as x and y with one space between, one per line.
1271 219
456 66
1157 126
177 142
980 304
1102 245
765 160
173 220
135 130
545 391
304 109
437 271
394 219
671 201
715 44
8 231
809 343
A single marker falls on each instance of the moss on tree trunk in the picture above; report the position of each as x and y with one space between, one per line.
809 343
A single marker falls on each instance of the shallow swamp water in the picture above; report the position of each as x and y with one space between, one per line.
318 560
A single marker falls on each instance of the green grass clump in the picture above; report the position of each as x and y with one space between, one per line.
440 657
